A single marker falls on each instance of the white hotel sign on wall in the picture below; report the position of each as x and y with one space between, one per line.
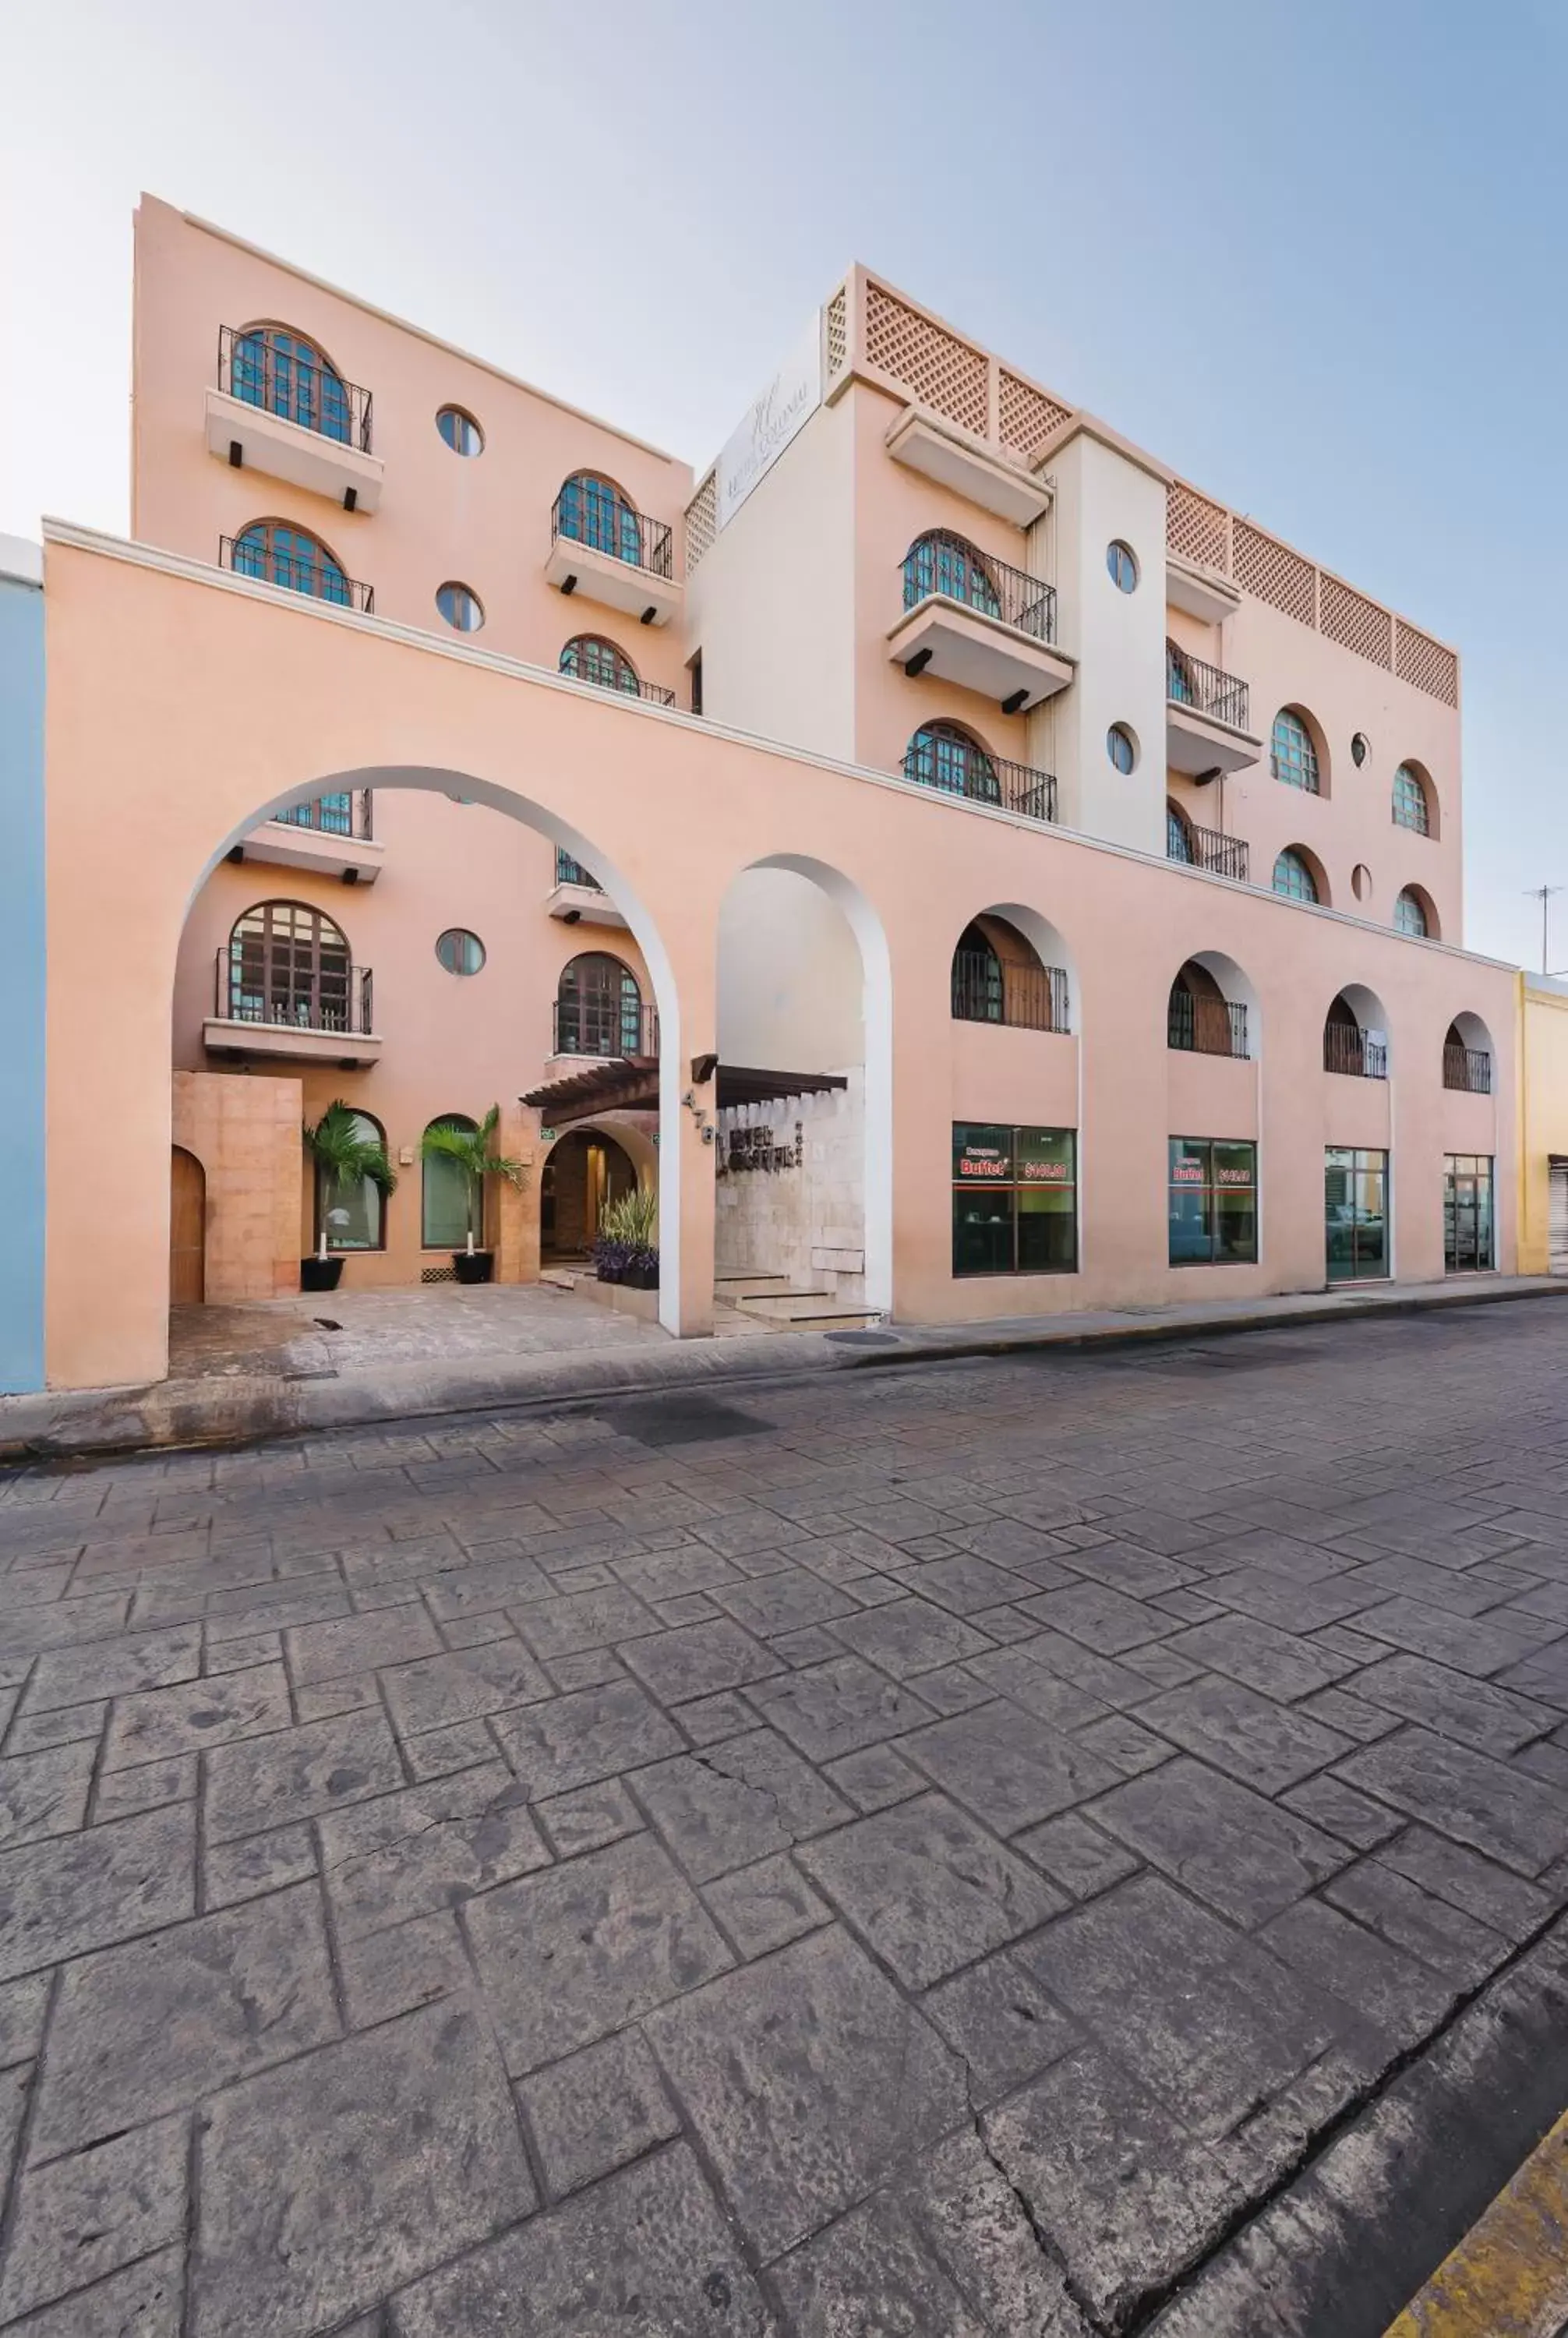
784 409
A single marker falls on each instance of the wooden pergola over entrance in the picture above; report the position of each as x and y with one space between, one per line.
630 1084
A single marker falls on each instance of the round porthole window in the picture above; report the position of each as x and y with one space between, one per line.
460 431
461 608
1122 747
1122 563
1361 748
459 951
1361 881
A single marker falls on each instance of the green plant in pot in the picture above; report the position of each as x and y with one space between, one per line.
470 1149
344 1157
626 1247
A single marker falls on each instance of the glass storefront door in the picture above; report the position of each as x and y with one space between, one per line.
1355 1213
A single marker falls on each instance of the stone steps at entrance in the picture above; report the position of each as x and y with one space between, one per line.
780 1305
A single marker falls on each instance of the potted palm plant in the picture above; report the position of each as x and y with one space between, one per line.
470 1148
343 1156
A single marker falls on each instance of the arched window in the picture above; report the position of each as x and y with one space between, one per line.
592 659
281 371
446 1194
943 755
288 964
1293 877
595 512
1293 754
281 554
978 981
944 562
1411 809
351 1211
1410 913
598 1009
1178 834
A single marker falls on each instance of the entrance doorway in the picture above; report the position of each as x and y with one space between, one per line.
1557 1221
187 1229
585 1171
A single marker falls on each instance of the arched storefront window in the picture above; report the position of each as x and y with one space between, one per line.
352 1211
446 1191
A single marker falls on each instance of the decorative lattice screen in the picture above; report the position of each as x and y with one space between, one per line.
1354 622
1427 664
934 367
1273 572
701 520
1196 528
1026 415
837 332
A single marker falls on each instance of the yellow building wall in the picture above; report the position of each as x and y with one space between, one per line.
1543 1109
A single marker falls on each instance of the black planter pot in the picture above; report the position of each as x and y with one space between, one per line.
473 1266
642 1274
320 1273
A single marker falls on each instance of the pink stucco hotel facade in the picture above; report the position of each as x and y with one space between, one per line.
970 871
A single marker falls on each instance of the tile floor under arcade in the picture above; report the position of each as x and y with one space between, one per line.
952 1836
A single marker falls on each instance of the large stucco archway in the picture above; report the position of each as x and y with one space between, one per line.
184 703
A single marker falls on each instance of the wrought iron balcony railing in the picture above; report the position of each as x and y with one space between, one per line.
1208 849
1206 1026
255 368
1349 1049
1468 1069
1025 997
572 872
1207 689
601 1025
321 580
338 815
945 766
606 523
295 993
988 586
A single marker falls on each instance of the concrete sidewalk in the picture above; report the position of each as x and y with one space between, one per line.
241 1407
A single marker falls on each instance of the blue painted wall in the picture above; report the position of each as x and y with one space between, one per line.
21 970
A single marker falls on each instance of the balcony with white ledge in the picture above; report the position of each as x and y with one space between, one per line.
1207 714
578 898
978 623
328 838
299 423
615 555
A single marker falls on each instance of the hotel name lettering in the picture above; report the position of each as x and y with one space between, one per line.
762 1148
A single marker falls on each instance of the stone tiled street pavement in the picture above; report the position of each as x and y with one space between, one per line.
914 1853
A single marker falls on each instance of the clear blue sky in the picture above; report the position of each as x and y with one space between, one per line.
1309 251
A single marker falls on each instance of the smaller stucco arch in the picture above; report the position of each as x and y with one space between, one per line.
1007 924
1355 1035
1212 975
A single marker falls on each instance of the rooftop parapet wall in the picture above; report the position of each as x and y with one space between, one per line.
874 333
